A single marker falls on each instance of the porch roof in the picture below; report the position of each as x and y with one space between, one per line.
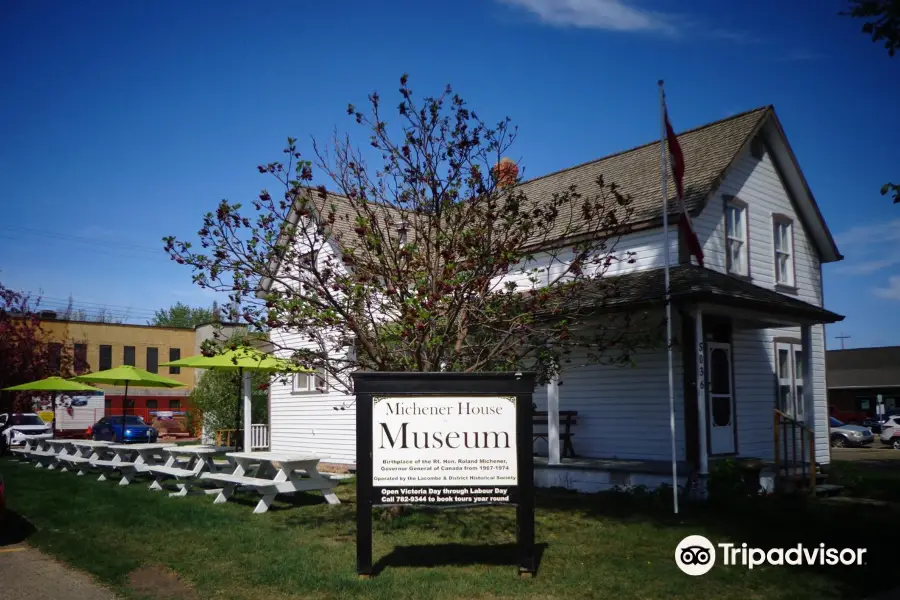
693 284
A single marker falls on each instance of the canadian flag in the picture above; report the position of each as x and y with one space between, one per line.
676 159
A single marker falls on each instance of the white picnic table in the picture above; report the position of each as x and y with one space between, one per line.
129 460
276 473
80 453
185 464
43 453
60 447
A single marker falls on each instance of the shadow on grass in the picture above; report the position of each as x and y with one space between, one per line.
14 529
460 555
282 501
765 523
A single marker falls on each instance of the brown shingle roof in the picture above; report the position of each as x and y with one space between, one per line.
708 151
695 284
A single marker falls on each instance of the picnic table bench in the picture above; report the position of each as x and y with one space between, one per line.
195 460
60 449
81 453
129 460
287 477
567 418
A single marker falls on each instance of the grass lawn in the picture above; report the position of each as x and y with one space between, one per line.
593 546
879 480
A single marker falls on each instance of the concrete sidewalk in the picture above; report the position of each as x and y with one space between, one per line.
29 573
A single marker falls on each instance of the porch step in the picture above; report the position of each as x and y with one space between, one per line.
828 489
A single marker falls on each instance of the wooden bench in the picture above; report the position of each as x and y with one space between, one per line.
276 473
44 458
126 468
78 463
567 418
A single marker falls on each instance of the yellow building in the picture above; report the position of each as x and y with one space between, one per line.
89 346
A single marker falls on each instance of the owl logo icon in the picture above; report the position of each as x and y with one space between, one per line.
695 555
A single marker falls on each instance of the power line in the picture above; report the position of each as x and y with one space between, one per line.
88 303
50 235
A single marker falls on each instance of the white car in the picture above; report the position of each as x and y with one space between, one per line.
890 432
16 428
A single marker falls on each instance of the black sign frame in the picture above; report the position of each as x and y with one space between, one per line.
368 385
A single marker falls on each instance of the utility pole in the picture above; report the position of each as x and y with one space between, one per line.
842 337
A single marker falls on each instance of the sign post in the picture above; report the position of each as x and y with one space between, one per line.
444 439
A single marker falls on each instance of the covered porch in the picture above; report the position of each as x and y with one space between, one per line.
758 356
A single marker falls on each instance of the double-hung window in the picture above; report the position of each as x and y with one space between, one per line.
736 247
783 233
310 383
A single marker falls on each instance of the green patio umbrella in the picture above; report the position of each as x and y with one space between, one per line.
52 384
124 376
243 360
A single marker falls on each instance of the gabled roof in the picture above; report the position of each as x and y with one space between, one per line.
708 152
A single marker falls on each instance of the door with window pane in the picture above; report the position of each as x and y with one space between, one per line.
789 365
720 399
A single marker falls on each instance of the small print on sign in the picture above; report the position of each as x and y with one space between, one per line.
444 441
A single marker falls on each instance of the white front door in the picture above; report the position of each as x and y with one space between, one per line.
720 399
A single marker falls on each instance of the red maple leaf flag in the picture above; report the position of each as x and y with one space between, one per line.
676 158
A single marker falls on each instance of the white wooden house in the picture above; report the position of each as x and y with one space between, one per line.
749 325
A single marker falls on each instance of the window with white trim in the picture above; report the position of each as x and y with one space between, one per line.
310 383
789 366
736 251
783 231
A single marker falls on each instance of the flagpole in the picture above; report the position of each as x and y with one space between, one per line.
663 185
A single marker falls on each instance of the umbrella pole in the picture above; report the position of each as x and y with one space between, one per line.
124 411
237 422
53 421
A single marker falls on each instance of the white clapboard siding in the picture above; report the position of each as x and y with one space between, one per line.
755 389
756 182
644 247
623 412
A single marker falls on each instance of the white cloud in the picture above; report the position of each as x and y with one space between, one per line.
613 15
868 235
623 15
868 266
892 291
869 248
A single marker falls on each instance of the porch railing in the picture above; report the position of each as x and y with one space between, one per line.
795 449
259 437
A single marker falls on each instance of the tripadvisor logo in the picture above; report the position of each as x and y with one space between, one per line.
696 555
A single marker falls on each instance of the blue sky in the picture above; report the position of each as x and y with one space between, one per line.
123 122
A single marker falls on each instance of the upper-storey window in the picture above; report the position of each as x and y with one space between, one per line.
783 231
736 246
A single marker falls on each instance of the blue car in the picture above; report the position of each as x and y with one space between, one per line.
135 430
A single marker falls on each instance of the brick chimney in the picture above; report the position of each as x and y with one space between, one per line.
506 172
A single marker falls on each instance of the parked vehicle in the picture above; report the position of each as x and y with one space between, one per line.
134 430
877 422
890 432
16 428
844 435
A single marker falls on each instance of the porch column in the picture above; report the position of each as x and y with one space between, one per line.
809 403
553 420
701 394
248 420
